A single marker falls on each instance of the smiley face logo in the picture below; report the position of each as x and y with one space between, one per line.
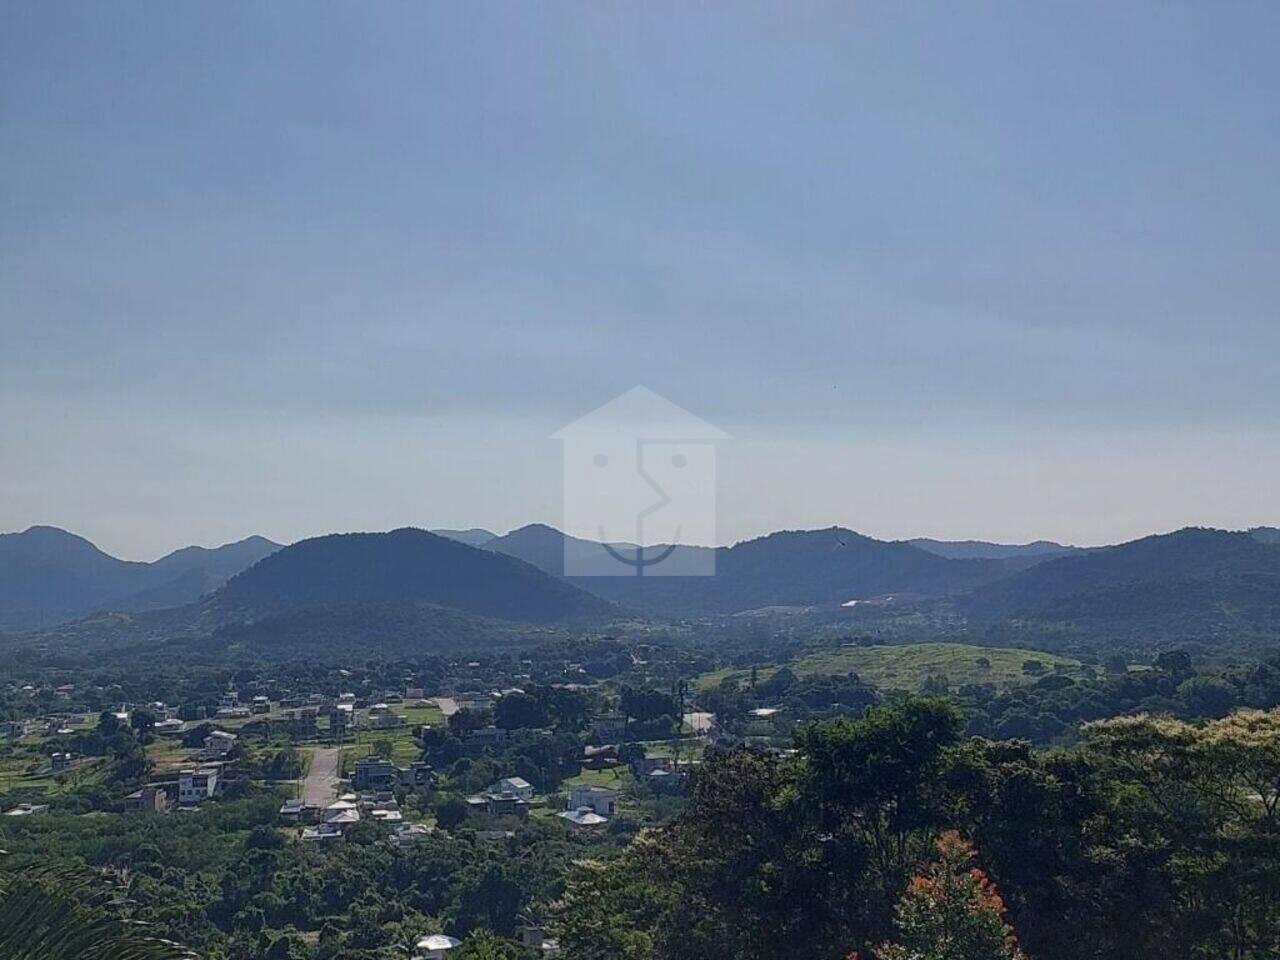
640 481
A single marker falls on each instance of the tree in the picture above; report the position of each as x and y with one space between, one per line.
486 945
451 813
518 711
54 914
951 911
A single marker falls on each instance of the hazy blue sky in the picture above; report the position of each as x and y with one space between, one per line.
999 270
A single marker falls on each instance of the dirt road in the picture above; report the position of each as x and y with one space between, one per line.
321 784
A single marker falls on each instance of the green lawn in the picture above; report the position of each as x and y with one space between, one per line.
905 666
595 778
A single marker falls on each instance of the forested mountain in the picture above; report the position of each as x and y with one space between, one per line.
402 566
790 568
1194 582
48 575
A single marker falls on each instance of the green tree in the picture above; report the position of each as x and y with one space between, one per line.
951 911
55 914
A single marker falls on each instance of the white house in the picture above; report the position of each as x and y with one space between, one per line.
518 786
197 785
599 800
583 820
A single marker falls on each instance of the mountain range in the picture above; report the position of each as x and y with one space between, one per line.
413 588
48 575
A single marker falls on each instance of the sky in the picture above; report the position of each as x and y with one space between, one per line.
997 270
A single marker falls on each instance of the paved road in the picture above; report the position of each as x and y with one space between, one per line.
321 784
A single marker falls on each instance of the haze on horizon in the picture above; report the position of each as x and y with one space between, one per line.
1004 271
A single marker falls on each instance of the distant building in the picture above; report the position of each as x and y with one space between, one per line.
375 773
299 811
408 834
611 728
487 735
197 785
599 800
517 786
218 744
150 799
583 820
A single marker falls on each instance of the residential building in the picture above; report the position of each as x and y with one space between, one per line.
600 800
218 745
517 786
198 784
299 811
375 773
608 729
407 834
487 735
150 799
583 820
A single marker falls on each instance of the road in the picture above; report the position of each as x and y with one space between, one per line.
321 784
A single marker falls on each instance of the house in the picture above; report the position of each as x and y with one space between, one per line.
218 745
600 758
382 811
375 773
583 820
647 765
434 947
381 718
27 809
62 761
198 784
611 728
599 800
498 805
342 814
322 833
418 774
299 811
407 834
150 799
487 735
518 786
13 729
171 727
260 704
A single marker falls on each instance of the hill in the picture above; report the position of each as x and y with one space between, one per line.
404 566
1193 583
791 568
48 575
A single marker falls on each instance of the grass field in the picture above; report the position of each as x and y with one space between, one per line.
905 667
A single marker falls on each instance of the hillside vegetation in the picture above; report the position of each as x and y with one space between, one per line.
906 667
